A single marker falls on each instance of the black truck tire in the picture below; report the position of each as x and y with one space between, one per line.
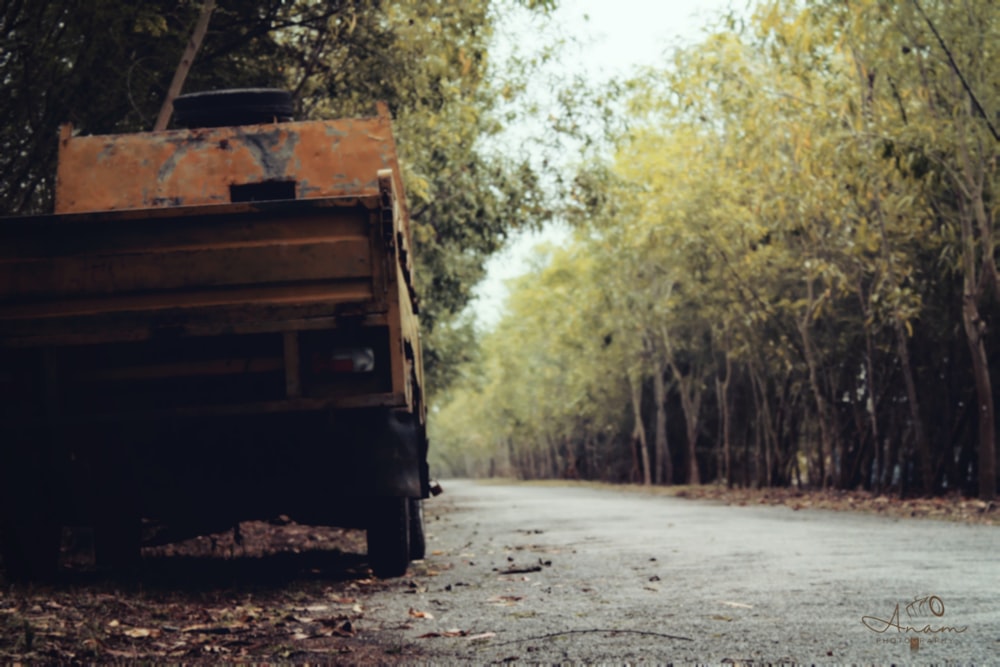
389 537
30 549
238 106
418 542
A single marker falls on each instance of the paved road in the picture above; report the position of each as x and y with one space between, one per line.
551 574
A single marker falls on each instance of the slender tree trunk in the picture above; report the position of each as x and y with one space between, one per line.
870 406
974 330
639 431
817 392
691 403
761 416
556 455
975 327
722 389
720 454
180 75
570 470
903 351
768 438
592 465
690 393
691 418
664 467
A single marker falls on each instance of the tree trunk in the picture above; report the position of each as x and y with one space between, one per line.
817 392
722 389
664 467
903 351
690 392
691 403
639 431
180 75
768 431
870 406
974 285
974 329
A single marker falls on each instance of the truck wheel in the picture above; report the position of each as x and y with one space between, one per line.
389 537
117 545
30 549
418 544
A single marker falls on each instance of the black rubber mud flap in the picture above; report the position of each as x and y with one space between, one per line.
389 536
418 543
397 462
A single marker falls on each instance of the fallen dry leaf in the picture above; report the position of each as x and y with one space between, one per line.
341 600
738 605
213 629
505 600
420 614
141 633
453 632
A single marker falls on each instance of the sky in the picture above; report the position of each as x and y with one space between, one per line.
618 36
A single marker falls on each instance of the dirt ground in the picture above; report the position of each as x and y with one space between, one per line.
285 593
288 593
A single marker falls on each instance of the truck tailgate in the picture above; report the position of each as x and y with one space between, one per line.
117 276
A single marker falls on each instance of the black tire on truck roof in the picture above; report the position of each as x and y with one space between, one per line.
236 106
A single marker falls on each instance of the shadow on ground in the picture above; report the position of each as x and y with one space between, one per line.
259 555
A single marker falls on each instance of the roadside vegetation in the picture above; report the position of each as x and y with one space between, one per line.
783 273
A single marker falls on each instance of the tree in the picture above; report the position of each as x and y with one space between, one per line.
801 211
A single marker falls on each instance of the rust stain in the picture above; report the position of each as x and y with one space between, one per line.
198 167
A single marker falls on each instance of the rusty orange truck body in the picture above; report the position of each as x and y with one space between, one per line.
215 325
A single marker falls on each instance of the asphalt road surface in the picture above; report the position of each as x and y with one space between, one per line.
572 573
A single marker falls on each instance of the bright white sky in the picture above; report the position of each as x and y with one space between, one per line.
619 35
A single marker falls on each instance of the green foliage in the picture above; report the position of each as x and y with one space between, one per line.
796 234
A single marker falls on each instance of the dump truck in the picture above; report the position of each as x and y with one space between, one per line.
217 324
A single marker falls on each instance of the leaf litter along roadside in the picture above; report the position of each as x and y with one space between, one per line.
285 592
951 507
948 508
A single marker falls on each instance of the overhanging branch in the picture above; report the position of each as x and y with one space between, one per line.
958 71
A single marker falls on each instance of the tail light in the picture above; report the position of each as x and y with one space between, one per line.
344 360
